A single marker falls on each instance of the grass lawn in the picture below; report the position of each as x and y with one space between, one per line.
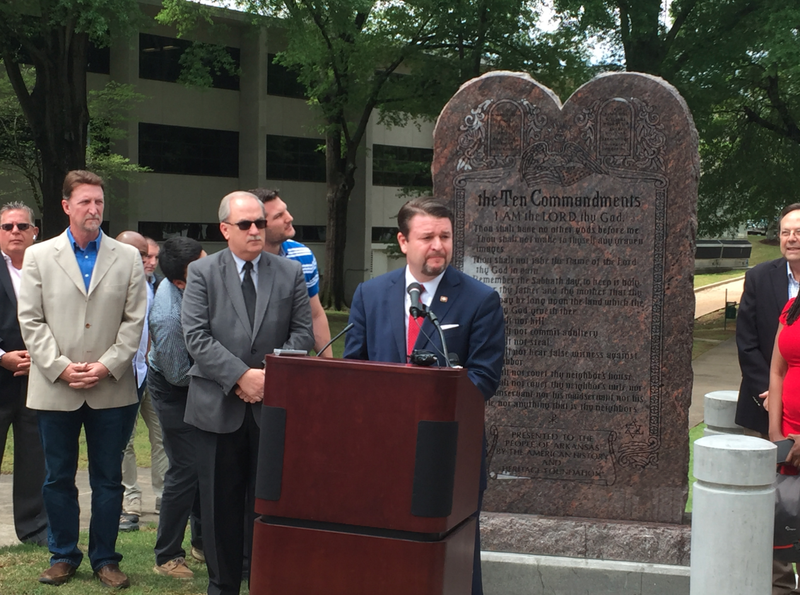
21 565
710 278
695 433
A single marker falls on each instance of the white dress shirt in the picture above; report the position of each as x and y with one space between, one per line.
253 273
794 285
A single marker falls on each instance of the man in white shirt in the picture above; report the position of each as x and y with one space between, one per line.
17 233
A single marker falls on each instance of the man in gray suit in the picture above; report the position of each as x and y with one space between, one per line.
238 305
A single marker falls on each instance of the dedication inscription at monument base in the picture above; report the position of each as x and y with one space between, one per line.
583 218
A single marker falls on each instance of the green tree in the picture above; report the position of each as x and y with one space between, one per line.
404 58
18 154
53 36
737 64
740 73
108 107
639 27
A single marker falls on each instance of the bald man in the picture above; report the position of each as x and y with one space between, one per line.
132 500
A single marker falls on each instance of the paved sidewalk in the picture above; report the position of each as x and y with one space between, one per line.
9 537
712 298
717 368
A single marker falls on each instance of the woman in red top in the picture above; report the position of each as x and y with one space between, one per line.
784 381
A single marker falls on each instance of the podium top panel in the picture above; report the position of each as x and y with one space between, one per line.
349 442
295 360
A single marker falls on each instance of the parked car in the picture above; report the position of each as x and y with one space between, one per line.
757 228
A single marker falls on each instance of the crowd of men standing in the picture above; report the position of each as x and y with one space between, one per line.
89 334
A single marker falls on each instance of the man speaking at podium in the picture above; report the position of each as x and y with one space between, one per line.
469 312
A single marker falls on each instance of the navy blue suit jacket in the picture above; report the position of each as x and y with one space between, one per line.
10 337
379 334
766 291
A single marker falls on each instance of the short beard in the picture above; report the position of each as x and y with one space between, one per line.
426 270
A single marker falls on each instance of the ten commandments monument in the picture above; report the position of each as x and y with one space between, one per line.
583 218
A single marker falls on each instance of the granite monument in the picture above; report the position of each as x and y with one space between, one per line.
583 218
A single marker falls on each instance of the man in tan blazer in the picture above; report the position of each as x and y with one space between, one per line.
81 311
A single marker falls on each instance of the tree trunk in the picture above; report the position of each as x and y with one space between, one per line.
340 177
58 114
644 48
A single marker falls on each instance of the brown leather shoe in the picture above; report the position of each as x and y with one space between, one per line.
111 576
58 574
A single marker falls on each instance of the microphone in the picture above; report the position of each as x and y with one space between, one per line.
339 334
414 291
418 309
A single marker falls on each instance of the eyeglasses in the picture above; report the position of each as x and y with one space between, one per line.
20 226
245 225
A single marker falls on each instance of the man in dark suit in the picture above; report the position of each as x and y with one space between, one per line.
238 305
767 288
17 233
469 312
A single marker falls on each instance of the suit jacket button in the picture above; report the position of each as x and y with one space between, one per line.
253 351
88 325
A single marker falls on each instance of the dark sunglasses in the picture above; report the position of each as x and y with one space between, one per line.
245 225
20 226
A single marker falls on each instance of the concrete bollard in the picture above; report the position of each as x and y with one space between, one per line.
732 516
719 413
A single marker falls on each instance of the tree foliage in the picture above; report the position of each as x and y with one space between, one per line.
740 74
109 108
639 27
19 157
737 64
402 58
53 37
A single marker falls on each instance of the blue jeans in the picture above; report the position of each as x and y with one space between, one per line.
107 432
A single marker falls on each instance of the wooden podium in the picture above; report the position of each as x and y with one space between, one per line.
368 475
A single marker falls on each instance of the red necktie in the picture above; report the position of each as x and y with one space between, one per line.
414 325
413 332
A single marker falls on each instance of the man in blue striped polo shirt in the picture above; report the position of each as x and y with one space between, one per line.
278 241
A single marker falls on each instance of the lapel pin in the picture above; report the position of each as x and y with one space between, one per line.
443 298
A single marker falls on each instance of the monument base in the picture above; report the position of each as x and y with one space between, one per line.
593 539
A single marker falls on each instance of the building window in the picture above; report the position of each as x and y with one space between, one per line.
401 166
164 230
210 232
160 60
384 235
293 158
283 82
189 151
310 233
99 59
